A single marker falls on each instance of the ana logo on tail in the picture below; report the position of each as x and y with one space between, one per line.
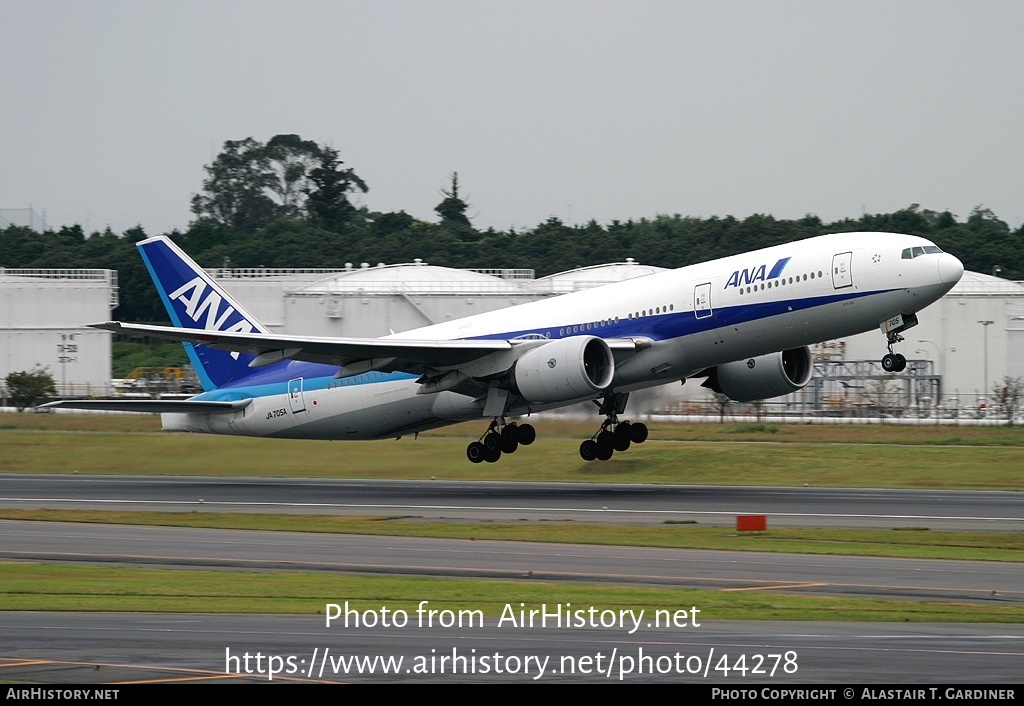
211 305
191 296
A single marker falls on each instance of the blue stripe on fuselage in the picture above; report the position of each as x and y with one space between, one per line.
273 380
315 376
660 327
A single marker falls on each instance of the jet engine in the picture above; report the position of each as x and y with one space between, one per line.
764 376
562 370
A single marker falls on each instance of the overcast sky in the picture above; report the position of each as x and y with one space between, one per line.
580 110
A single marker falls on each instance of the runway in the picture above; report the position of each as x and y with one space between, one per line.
68 648
503 501
94 648
990 582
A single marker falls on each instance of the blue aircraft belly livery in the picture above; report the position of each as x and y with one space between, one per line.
743 322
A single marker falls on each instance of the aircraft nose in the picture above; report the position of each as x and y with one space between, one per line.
950 268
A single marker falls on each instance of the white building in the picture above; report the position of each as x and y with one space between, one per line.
42 313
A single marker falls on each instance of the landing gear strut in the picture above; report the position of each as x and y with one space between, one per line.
894 362
498 439
613 435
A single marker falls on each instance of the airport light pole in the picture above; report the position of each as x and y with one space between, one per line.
985 324
941 362
938 350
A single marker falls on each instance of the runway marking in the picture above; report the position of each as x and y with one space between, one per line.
195 674
24 664
776 588
177 680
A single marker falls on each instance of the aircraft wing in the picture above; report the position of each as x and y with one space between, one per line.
354 355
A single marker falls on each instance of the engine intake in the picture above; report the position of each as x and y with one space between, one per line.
566 369
765 376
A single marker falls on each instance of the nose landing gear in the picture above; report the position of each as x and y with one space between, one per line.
892 327
894 362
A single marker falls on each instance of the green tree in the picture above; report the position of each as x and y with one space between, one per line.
234 192
330 183
250 185
721 402
983 219
29 388
453 209
1009 394
289 161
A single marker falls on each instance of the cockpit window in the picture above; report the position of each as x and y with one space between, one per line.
911 253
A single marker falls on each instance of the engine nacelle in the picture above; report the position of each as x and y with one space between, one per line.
562 370
766 375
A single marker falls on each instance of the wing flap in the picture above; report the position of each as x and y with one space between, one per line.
394 354
356 355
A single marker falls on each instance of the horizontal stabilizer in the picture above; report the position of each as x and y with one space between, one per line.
155 406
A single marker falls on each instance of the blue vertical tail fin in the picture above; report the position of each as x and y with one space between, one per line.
194 300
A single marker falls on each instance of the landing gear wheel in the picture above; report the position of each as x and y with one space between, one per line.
475 452
510 438
638 432
492 441
492 455
604 453
621 435
588 450
527 434
893 362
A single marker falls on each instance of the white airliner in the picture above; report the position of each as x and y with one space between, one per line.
743 322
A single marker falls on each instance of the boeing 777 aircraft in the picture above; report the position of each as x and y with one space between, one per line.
742 322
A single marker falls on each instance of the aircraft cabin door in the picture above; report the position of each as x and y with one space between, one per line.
842 274
295 400
702 300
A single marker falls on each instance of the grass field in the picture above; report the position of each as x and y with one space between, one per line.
89 588
786 455
556 427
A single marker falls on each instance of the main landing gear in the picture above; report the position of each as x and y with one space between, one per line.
894 362
498 439
613 435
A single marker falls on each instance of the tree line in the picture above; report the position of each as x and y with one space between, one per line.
289 203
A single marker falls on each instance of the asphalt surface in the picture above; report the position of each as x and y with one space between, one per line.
476 500
122 648
84 648
123 545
